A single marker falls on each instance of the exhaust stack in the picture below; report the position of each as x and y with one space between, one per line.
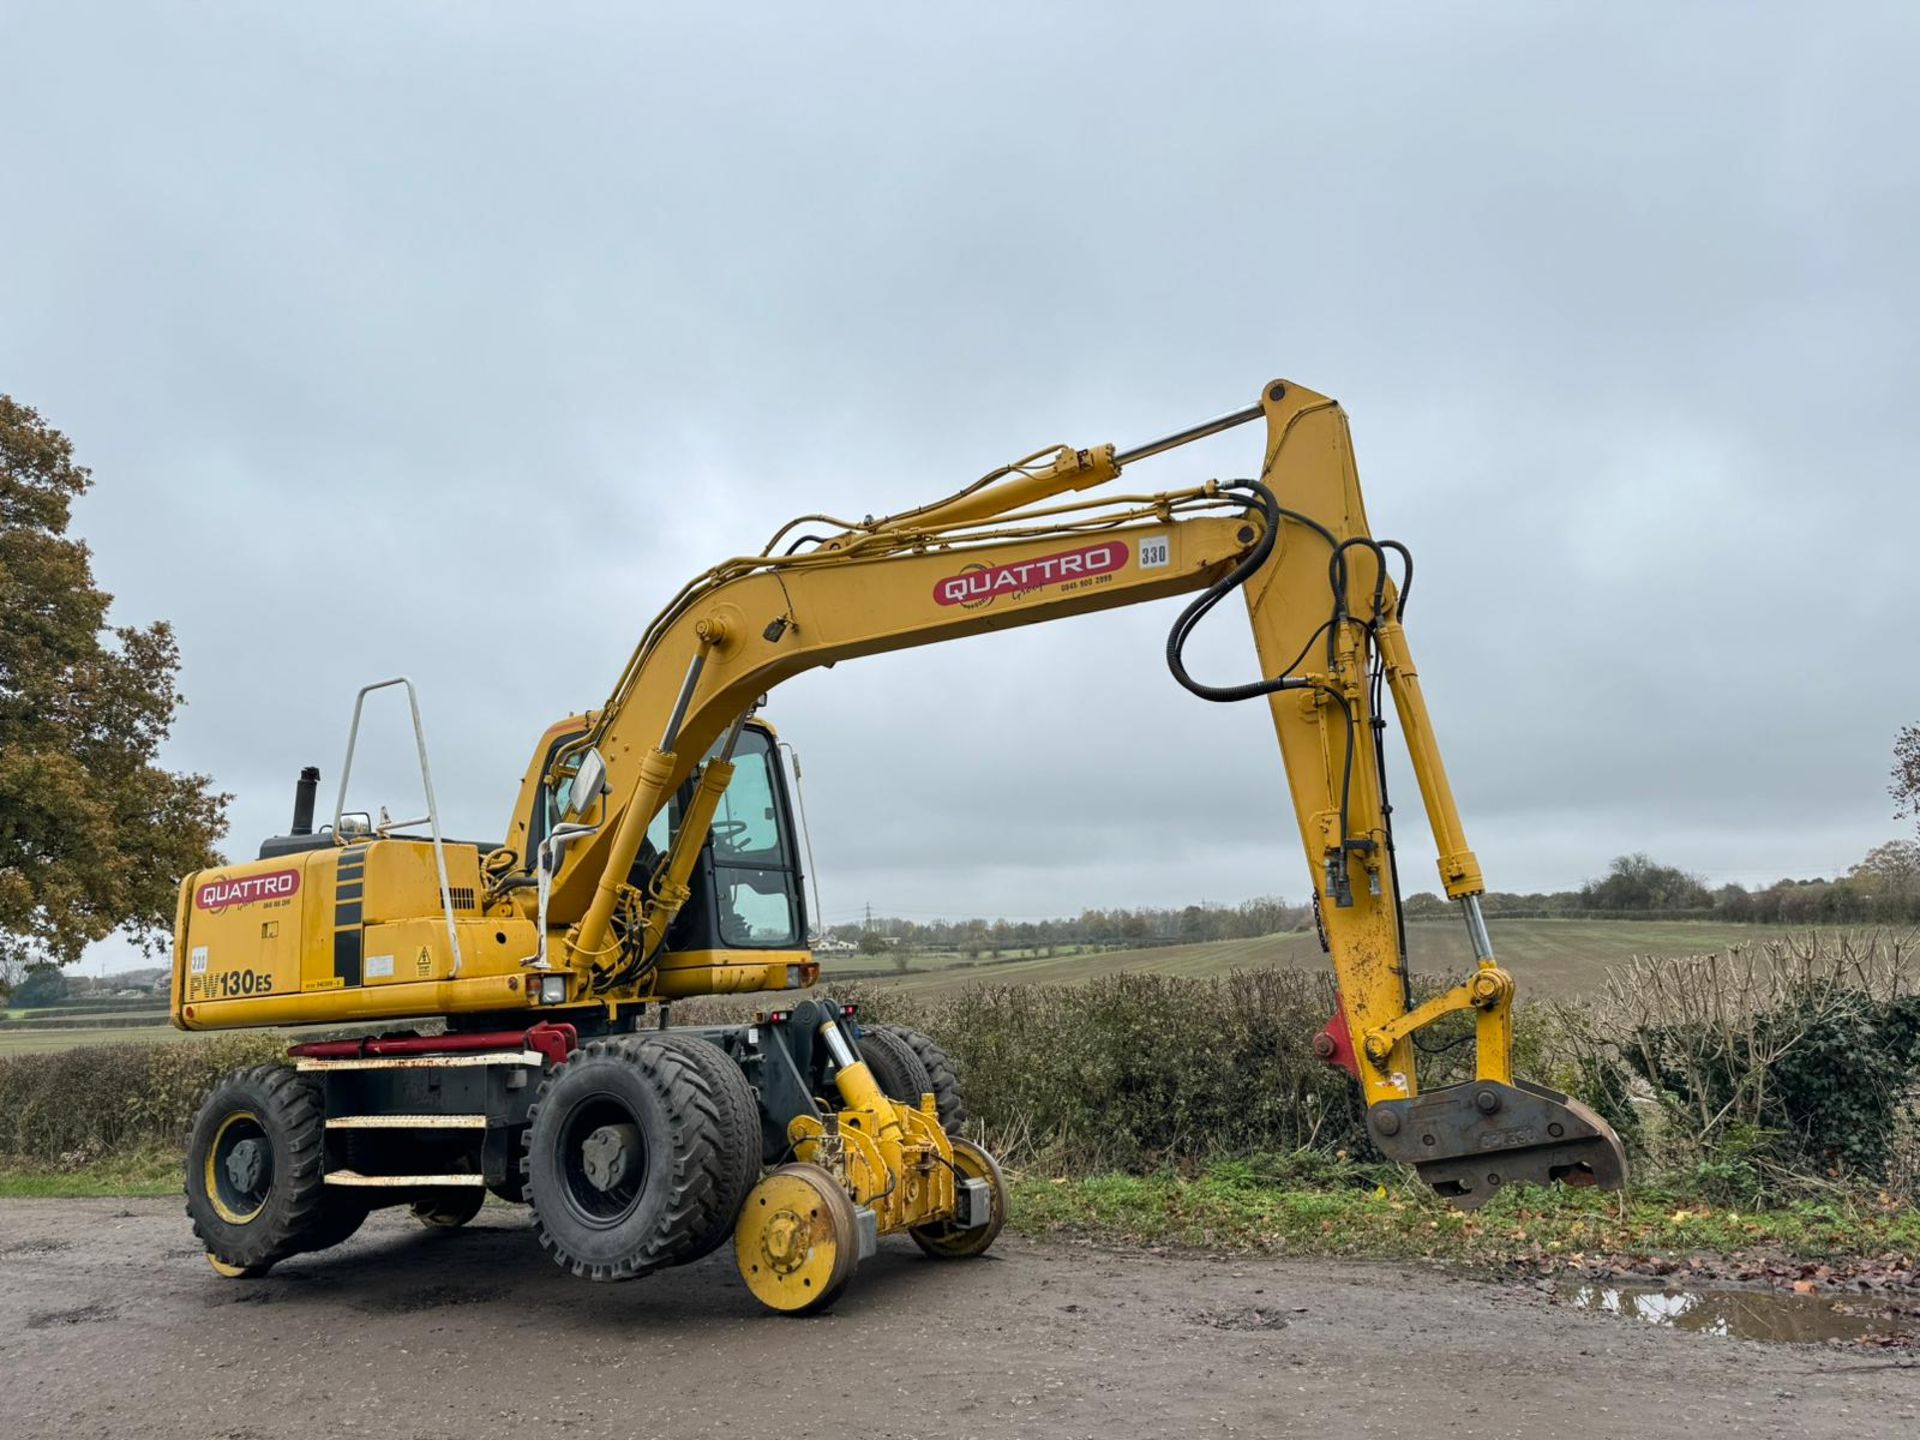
303 792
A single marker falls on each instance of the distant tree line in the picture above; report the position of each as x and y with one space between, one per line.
1102 929
1883 889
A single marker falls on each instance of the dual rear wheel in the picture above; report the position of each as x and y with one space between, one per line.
640 1151
255 1176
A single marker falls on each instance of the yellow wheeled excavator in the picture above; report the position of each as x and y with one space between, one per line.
650 856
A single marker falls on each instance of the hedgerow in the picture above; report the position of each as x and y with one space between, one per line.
1746 1076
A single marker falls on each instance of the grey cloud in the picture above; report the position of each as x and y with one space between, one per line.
359 314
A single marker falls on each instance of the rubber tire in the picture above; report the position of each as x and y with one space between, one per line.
688 1176
293 1121
739 1111
896 1069
943 1076
513 1185
448 1207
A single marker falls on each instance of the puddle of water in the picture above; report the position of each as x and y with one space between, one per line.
1754 1314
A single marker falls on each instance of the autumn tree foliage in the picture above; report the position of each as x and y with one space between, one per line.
1905 788
94 835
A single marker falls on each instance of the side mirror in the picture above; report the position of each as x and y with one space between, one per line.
589 782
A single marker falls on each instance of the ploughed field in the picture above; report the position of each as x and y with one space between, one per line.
1559 958
1549 958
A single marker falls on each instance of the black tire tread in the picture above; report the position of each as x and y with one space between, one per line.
739 1110
943 1074
341 1217
697 1175
296 1216
896 1069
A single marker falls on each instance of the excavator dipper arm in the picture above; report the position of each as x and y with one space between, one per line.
1325 607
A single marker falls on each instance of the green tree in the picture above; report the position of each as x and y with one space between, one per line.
872 942
1636 882
94 836
43 985
1889 869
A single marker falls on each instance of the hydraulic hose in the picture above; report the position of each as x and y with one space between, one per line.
1189 618
1243 570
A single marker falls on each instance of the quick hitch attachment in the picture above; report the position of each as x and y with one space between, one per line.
1467 1141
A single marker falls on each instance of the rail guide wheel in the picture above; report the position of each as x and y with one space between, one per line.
797 1242
946 1241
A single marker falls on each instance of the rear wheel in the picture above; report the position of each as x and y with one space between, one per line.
896 1069
943 1078
449 1207
254 1180
628 1160
341 1216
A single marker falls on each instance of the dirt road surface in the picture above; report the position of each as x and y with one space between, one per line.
114 1326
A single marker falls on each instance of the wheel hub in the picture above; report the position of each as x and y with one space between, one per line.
244 1165
785 1241
607 1155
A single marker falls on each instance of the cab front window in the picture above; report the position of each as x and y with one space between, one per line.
753 872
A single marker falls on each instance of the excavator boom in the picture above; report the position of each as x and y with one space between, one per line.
1326 613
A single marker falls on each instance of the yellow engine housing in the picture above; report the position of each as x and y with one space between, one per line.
357 932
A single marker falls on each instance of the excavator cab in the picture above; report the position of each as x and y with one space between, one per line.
747 886
742 924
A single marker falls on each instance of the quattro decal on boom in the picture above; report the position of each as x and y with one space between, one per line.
979 585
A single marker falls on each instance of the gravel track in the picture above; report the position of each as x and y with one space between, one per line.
114 1326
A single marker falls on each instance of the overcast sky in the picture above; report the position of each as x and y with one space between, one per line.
450 339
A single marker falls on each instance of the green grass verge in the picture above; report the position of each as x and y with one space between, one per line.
1273 1208
140 1173
1235 1207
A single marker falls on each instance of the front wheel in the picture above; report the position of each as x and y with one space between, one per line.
630 1161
